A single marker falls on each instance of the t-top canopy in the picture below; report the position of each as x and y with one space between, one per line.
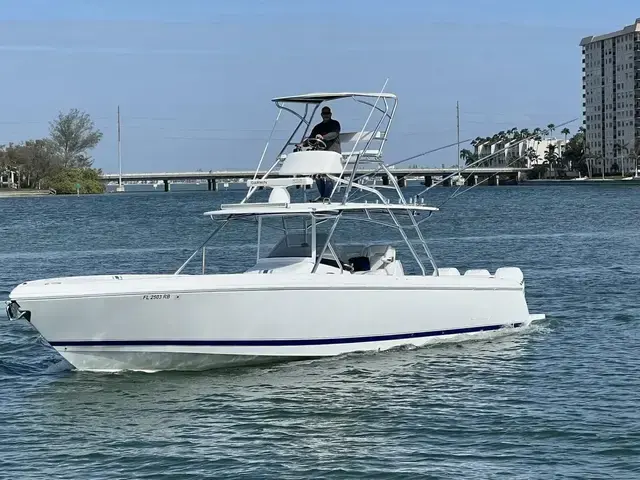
315 208
325 97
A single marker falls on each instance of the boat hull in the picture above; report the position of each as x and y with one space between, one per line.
172 357
200 322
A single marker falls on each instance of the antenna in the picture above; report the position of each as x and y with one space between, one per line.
120 187
458 129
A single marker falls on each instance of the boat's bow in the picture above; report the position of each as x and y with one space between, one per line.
14 312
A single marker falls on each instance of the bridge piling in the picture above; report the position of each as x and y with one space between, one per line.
167 186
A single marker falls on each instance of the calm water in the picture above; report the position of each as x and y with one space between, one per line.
559 401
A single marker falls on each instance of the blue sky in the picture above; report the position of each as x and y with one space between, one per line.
194 78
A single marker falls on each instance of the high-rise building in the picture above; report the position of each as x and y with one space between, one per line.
611 97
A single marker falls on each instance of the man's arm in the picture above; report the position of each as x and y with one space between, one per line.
335 131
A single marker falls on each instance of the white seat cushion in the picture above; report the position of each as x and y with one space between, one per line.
510 273
379 255
477 272
451 272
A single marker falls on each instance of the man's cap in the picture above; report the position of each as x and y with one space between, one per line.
326 110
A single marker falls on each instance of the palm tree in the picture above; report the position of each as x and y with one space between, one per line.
551 158
551 127
565 131
465 154
634 155
537 133
618 148
531 156
588 158
469 157
599 160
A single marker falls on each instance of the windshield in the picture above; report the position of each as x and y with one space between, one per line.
297 245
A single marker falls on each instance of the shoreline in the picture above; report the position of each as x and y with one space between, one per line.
11 193
27 193
555 181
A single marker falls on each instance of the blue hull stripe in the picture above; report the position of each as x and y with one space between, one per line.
275 343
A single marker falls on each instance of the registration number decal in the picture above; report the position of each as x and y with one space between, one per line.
157 296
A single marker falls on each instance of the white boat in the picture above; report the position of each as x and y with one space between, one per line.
458 180
307 297
634 176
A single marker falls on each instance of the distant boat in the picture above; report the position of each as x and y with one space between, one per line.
634 177
457 180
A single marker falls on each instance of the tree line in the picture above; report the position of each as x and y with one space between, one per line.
60 161
573 156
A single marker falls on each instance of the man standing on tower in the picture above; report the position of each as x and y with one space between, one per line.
329 132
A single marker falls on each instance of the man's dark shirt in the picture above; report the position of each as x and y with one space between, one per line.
330 132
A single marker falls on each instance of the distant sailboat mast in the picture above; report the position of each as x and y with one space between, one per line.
120 187
458 130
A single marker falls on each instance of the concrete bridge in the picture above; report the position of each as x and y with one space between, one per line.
474 175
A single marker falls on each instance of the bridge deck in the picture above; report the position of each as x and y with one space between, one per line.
223 174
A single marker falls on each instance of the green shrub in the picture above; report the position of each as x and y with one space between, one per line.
64 180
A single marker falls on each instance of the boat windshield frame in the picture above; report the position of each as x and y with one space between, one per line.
313 219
